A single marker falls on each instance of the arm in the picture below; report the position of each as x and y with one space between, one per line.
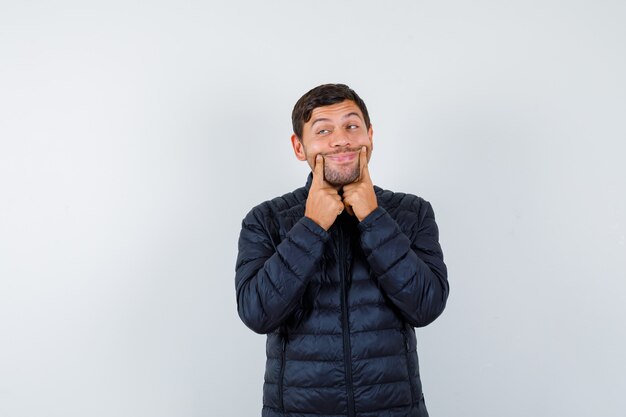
410 271
270 280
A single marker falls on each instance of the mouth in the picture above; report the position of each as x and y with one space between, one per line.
343 157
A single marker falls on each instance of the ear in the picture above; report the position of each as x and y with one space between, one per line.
298 148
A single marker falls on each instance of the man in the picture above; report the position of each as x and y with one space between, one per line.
338 274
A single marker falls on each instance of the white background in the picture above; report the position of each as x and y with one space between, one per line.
135 136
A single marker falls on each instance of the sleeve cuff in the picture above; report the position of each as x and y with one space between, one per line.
371 218
315 228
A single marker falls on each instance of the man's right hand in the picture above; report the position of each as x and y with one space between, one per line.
323 204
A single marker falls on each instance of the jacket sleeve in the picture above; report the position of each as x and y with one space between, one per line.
408 264
270 279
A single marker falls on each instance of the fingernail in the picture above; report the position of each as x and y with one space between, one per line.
318 157
362 148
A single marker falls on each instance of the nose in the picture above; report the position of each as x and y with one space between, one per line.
339 139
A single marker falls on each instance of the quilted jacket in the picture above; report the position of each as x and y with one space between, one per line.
339 307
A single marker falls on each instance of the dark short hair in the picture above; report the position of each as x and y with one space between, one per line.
324 95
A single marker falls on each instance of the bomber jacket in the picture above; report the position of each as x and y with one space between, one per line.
339 307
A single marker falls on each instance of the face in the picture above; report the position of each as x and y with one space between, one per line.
337 132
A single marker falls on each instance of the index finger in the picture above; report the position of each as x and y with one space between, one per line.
365 173
318 169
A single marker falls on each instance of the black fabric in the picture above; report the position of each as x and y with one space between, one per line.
339 307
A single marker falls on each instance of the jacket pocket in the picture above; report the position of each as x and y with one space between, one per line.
281 401
407 354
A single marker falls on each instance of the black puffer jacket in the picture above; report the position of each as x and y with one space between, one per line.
339 307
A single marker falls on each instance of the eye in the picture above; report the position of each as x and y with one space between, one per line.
349 127
323 131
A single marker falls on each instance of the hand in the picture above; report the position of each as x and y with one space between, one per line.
359 197
323 203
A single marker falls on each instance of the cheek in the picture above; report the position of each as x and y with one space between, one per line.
309 154
361 139
311 161
311 151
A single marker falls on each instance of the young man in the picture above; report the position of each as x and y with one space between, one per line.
338 274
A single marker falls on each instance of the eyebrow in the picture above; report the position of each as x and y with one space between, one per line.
346 116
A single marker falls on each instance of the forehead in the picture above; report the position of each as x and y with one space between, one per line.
335 111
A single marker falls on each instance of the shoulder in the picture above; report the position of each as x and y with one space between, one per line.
287 205
397 202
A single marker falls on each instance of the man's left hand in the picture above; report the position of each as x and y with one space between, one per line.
359 197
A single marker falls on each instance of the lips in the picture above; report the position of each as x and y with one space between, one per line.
342 157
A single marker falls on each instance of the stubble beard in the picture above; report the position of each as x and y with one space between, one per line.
341 177
344 175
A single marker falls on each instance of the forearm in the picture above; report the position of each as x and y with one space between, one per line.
271 281
410 272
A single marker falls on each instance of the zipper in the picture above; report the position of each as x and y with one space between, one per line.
282 374
407 348
347 350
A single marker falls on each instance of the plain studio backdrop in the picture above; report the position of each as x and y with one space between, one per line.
135 136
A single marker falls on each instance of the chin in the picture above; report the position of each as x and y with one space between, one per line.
338 178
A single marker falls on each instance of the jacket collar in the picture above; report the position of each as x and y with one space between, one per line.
309 181
297 211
